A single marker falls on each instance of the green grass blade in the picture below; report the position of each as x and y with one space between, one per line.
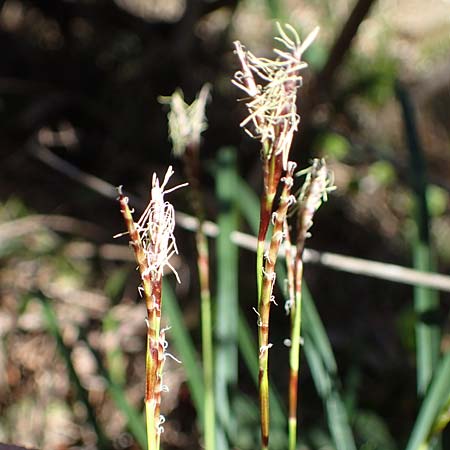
134 420
325 382
318 350
426 301
248 204
65 352
426 305
276 9
114 356
184 347
226 322
434 401
316 329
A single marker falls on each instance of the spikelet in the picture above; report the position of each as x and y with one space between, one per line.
271 87
318 183
156 227
186 122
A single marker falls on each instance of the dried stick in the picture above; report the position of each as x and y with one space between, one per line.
342 263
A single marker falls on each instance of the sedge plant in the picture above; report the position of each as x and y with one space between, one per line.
271 88
186 123
153 242
314 191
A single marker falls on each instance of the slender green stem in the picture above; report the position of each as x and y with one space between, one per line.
314 191
192 171
227 311
434 401
295 280
207 340
426 301
292 309
318 350
294 357
150 425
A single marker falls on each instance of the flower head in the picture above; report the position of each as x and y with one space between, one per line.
186 122
156 227
271 87
318 182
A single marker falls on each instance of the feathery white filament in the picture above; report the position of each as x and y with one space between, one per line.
156 227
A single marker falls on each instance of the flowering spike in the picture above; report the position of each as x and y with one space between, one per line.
272 104
153 243
186 122
318 183
156 227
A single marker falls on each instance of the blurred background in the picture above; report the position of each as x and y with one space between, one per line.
79 88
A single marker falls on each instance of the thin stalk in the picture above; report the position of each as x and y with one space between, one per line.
294 354
273 120
266 300
186 123
247 347
227 311
207 341
151 291
318 350
437 395
192 169
153 243
314 191
294 310
426 301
